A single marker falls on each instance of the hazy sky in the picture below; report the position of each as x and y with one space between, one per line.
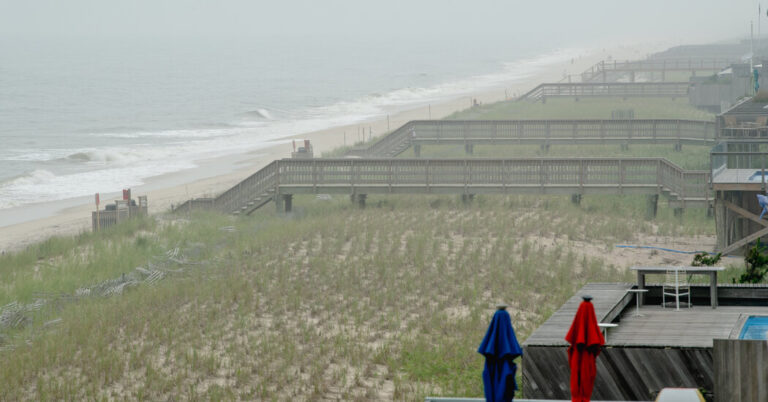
582 20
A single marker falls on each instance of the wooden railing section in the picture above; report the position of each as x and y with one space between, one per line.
471 176
600 71
423 132
609 89
246 196
466 176
591 131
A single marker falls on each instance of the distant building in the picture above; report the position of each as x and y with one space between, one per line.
720 91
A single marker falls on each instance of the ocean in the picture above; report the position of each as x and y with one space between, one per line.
80 116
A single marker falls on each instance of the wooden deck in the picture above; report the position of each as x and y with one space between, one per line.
690 327
739 176
609 300
662 348
657 327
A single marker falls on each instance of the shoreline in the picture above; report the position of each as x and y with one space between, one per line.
213 176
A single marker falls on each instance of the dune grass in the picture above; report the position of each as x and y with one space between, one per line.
328 302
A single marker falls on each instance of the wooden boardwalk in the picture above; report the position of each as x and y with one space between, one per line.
541 132
281 179
606 71
609 89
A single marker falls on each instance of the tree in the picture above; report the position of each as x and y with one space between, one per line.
757 265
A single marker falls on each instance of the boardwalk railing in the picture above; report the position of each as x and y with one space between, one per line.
612 89
601 70
541 132
246 196
466 176
471 176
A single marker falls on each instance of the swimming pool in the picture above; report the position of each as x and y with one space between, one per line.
758 176
756 327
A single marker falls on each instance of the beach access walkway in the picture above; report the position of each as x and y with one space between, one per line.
578 90
610 70
421 133
358 177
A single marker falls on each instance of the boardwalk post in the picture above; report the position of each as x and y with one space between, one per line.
576 199
98 214
621 177
279 203
651 206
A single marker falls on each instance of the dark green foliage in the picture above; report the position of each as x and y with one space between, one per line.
705 259
757 265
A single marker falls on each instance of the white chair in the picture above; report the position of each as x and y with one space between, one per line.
676 284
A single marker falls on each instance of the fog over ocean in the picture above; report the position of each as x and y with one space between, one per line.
79 117
97 96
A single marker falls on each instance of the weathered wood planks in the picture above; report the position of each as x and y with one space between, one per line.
622 373
741 370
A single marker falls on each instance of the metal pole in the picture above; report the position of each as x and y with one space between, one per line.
762 172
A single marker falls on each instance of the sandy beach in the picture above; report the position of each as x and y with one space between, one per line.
35 223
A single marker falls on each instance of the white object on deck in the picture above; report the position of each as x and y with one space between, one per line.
676 284
604 326
679 395
637 299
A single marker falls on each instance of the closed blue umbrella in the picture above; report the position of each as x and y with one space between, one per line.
500 347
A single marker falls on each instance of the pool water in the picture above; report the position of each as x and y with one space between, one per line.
758 176
755 328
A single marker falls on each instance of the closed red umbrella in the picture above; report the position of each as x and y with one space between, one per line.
586 340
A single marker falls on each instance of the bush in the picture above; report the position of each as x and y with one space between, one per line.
705 259
757 265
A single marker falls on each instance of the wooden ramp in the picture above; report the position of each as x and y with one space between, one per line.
609 300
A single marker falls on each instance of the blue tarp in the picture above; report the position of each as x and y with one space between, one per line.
763 201
500 347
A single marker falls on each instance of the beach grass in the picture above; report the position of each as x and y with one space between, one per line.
329 302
